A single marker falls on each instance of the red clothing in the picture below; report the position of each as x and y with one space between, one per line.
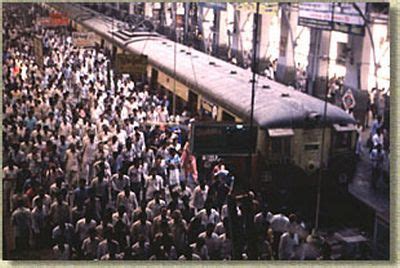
16 70
189 164
30 193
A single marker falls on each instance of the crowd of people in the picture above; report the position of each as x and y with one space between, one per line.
93 169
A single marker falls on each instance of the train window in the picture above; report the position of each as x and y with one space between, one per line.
342 136
286 146
280 139
311 147
227 117
280 145
342 139
276 145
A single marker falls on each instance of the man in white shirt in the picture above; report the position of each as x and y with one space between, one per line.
22 222
9 178
128 199
153 183
287 246
44 198
83 226
89 152
377 138
377 157
262 220
39 218
141 227
208 215
199 196
212 241
90 245
121 215
107 243
156 204
279 224
119 182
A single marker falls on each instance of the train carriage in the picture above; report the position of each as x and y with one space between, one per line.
290 124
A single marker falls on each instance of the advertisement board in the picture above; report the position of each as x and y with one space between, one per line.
53 21
135 65
222 139
83 39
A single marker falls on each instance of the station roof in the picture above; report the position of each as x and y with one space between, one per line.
276 105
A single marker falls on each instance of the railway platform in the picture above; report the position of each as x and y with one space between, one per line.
360 187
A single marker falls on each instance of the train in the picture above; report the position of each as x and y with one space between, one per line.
290 125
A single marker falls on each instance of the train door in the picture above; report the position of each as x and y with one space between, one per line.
192 103
342 153
280 177
154 78
114 52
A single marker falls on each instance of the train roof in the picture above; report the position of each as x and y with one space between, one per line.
276 105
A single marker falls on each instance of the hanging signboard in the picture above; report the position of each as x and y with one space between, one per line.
156 6
343 17
265 8
38 48
316 15
218 6
346 13
180 9
54 20
135 65
348 100
83 39
357 100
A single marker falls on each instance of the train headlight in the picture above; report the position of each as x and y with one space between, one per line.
311 166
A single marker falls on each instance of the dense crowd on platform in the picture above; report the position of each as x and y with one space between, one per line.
95 169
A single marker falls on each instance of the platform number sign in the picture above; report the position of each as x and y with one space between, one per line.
348 99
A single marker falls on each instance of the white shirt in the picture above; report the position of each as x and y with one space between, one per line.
130 203
377 139
287 246
125 218
152 185
21 219
279 223
118 184
82 228
89 150
38 219
156 207
206 219
199 197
